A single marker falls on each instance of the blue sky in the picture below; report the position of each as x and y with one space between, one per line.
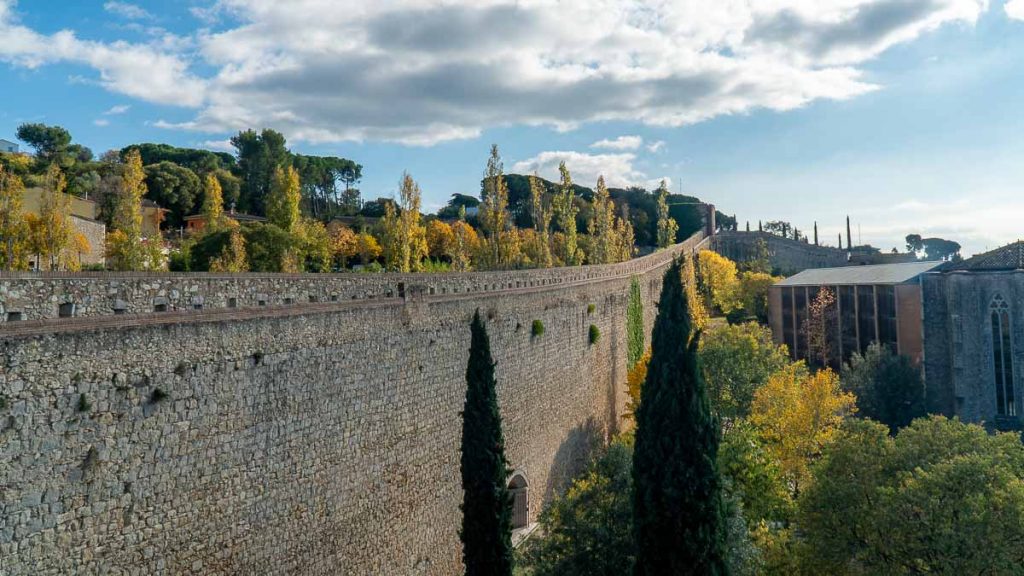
904 114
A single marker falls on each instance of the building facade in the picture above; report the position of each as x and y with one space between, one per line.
974 345
84 218
878 303
8 147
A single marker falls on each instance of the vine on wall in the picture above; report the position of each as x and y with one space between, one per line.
634 324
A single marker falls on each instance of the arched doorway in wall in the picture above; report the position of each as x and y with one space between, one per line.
519 489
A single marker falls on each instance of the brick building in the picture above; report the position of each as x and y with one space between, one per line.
876 303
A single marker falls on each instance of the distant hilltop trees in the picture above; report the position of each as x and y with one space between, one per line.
265 208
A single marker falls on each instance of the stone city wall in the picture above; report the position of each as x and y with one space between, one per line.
313 438
44 295
786 255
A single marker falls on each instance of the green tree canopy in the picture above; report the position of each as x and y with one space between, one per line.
888 387
942 497
49 142
589 530
174 187
737 360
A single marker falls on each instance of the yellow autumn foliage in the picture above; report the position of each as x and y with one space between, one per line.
797 414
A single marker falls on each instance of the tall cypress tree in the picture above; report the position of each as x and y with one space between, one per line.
486 504
679 517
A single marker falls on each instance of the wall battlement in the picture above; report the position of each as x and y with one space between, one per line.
311 437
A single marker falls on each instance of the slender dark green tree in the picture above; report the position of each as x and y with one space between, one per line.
679 516
486 504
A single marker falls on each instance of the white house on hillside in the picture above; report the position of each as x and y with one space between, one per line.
8 146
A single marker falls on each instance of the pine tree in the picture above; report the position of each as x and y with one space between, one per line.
679 516
486 505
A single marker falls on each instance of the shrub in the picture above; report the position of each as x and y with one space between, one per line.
157 395
537 329
595 334
591 308
83 403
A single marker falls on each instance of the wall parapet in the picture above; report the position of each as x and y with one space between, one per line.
37 302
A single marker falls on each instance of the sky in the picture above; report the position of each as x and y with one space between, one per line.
904 114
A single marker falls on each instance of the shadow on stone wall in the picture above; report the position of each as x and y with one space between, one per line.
572 456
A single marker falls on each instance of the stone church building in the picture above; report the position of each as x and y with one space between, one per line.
974 338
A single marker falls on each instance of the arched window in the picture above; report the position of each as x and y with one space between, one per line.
1002 357
519 488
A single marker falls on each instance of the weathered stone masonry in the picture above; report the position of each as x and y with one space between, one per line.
312 438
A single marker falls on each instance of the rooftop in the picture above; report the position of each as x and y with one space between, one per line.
1009 257
871 274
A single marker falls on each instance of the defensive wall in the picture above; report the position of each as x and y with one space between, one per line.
786 255
290 424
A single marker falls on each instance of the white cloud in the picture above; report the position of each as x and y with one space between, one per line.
655 147
101 122
1014 9
422 72
126 10
617 169
620 143
119 109
218 145
141 71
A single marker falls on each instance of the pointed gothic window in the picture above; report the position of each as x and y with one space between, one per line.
1002 357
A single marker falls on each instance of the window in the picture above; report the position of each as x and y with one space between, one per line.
788 330
887 316
1002 357
866 316
800 306
848 320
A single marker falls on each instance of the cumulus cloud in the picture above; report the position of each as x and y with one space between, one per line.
422 72
620 143
137 70
126 10
617 169
1014 9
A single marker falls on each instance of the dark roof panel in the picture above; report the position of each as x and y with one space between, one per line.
1009 257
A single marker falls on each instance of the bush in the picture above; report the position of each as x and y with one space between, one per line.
268 248
203 251
180 260
83 403
537 329
591 308
157 395
595 334
889 388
